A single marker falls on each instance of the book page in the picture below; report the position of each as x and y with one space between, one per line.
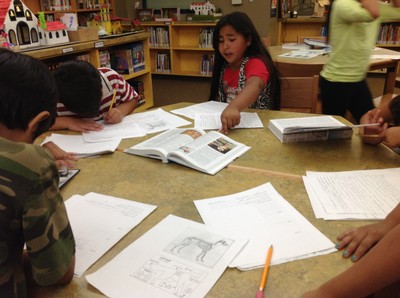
209 153
166 142
176 258
98 222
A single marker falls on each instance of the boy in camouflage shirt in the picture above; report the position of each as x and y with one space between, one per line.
32 211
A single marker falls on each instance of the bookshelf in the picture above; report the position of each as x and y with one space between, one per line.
85 9
389 35
181 48
93 52
290 29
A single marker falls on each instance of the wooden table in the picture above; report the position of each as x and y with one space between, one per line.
173 188
315 64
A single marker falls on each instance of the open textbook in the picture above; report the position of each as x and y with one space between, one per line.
192 147
305 129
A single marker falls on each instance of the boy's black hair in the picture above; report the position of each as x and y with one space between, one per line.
394 108
243 25
79 87
26 89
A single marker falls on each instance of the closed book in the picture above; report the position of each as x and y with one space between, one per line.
307 129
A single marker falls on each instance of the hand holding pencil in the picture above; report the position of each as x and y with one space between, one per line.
260 292
113 115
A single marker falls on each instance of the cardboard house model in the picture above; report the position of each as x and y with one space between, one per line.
19 24
21 29
202 8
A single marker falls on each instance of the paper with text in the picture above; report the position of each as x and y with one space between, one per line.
99 222
137 125
211 106
264 216
176 258
364 194
213 120
76 144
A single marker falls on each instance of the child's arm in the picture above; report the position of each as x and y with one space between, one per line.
63 159
372 6
377 115
392 137
378 269
75 124
358 241
115 115
230 117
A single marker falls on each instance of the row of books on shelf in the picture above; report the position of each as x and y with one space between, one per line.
163 63
48 5
206 38
56 5
124 60
389 34
159 37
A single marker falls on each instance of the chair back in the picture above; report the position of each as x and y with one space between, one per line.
300 94
288 69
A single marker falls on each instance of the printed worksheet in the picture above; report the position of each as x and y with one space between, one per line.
213 120
137 125
204 107
363 194
176 258
264 216
98 222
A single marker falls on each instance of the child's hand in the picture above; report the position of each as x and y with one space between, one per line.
83 125
358 241
230 117
392 137
376 132
113 116
63 159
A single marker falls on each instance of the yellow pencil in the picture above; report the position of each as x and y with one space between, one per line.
113 99
260 292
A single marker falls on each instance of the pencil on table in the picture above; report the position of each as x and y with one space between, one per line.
260 292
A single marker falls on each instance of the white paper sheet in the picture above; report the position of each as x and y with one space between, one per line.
176 258
264 216
98 222
137 125
365 194
213 120
204 107
76 144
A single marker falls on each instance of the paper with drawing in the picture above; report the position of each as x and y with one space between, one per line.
176 258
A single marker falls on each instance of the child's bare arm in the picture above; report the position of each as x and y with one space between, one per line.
115 115
76 124
230 117
372 6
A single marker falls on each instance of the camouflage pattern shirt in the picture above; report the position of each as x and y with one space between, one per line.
32 212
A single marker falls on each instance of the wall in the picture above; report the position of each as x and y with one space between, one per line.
170 89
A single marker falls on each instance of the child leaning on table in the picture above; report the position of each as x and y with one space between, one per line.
32 209
244 74
375 250
388 115
86 94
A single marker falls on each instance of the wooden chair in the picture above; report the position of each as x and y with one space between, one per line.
289 69
300 94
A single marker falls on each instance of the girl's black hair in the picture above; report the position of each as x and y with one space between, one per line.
26 89
243 25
